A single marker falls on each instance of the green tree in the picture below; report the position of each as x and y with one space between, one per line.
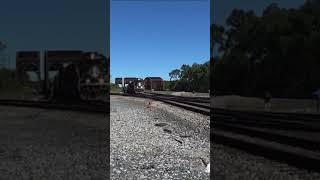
276 51
191 78
174 74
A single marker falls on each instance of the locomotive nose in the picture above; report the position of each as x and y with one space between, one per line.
66 85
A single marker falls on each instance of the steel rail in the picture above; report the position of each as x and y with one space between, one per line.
83 106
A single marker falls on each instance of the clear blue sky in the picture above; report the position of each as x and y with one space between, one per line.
55 24
151 38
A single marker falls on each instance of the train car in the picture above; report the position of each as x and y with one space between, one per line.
133 85
154 83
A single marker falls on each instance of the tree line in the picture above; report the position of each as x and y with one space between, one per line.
277 51
190 78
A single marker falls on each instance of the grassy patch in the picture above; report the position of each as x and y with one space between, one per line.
114 88
10 88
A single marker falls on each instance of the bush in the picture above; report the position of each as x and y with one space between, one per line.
114 88
10 88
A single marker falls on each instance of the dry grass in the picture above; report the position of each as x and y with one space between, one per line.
16 93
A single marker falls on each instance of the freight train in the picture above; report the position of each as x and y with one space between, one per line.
134 85
80 76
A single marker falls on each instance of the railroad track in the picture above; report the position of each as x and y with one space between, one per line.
292 138
82 106
287 137
193 104
188 98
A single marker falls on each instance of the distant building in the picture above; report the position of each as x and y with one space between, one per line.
155 83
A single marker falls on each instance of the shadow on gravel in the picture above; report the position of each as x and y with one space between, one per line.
48 147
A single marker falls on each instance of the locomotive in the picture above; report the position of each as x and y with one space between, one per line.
132 85
79 79
135 86
78 73
66 85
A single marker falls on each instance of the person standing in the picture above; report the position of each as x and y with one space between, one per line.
267 98
316 96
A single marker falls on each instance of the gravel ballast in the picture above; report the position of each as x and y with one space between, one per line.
230 163
50 144
152 140
148 139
